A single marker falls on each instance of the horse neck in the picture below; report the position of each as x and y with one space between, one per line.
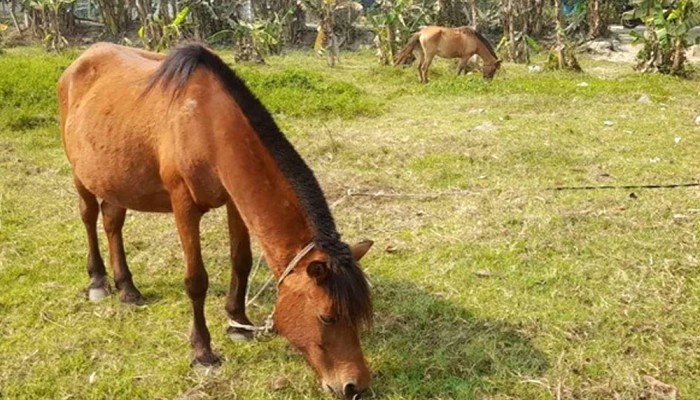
264 198
483 51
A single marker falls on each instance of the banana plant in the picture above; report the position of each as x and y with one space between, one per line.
394 21
327 40
266 33
3 28
51 14
164 34
666 38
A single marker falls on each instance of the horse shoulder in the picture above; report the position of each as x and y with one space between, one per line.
203 117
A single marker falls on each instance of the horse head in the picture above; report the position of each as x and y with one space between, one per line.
490 69
310 312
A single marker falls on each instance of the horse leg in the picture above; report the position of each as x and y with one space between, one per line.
187 218
462 66
89 210
421 59
426 65
113 221
241 261
464 63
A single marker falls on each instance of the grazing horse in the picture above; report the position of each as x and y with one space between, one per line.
460 43
184 134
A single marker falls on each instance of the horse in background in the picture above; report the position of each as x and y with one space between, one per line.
462 43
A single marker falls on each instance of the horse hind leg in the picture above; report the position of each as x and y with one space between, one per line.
426 65
113 221
241 262
89 211
421 60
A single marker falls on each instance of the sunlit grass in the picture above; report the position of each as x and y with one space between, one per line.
487 284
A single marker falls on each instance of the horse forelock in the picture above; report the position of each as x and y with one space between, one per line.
348 287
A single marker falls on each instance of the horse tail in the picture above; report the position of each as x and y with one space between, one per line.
407 50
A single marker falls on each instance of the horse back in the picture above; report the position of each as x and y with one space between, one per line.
124 142
447 42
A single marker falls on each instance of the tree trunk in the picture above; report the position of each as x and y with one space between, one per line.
560 35
595 25
537 23
245 48
297 25
474 11
247 11
13 4
508 28
678 57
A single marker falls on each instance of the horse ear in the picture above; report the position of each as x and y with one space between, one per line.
359 250
318 271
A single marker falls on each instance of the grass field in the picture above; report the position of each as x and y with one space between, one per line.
487 285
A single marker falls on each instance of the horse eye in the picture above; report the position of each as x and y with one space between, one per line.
327 319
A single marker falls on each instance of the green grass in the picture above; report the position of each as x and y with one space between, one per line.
487 285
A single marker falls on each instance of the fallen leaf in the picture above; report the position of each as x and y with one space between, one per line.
660 390
483 273
391 247
279 383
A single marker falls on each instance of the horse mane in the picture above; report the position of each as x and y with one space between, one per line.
489 47
346 284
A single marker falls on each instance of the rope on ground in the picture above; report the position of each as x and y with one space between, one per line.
607 187
419 196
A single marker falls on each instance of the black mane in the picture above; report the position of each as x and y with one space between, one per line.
346 284
482 38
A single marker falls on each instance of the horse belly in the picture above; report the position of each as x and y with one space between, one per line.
448 51
119 167
453 45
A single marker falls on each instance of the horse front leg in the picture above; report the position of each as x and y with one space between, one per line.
187 218
241 262
462 66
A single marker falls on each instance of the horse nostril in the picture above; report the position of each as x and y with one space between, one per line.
350 391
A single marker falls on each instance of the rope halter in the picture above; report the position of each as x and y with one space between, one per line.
269 324
292 264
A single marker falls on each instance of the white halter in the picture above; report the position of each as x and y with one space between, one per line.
268 327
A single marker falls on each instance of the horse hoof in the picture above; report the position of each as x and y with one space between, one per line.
239 335
206 360
97 294
134 298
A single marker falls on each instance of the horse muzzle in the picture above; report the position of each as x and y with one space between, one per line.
348 390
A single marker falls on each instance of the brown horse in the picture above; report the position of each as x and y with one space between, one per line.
460 43
184 134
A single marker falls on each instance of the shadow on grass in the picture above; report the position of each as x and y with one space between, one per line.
424 345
